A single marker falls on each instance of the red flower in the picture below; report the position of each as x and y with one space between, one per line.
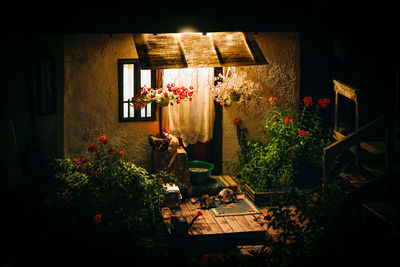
291 154
103 140
324 102
93 173
84 160
272 100
237 121
178 101
121 152
166 95
282 180
110 150
199 213
288 120
76 161
307 101
98 218
302 132
143 104
92 147
136 107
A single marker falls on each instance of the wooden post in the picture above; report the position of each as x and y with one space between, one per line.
336 110
389 153
357 147
325 172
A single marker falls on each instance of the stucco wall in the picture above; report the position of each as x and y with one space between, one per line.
91 94
91 97
280 78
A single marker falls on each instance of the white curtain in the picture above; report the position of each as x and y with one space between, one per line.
193 120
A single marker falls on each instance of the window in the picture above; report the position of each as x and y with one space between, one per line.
131 79
46 88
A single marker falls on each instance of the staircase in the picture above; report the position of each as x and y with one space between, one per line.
375 147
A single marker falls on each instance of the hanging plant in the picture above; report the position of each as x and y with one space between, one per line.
163 96
235 88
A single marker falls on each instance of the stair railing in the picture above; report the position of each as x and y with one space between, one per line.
352 94
387 121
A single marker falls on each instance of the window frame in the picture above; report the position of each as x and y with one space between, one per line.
121 102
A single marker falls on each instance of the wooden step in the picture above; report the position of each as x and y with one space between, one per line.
356 179
378 146
377 171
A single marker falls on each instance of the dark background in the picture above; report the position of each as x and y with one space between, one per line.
356 43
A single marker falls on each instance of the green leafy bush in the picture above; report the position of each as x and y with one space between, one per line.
293 155
109 189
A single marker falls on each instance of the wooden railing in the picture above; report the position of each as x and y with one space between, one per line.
352 94
369 130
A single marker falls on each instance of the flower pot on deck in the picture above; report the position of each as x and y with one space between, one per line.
262 198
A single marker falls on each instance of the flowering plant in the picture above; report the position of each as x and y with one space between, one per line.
105 188
163 96
236 85
293 154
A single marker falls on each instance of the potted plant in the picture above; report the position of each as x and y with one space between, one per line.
235 88
163 96
292 155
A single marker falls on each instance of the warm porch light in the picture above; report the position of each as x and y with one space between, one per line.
187 29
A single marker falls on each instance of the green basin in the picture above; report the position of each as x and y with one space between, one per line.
200 171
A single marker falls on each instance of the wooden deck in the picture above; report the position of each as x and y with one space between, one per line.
250 228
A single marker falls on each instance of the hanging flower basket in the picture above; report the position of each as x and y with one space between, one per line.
235 88
163 103
235 97
163 96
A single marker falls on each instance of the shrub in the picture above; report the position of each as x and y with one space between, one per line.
108 189
293 155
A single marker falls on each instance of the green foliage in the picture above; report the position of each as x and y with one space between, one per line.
124 194
293 154
307 221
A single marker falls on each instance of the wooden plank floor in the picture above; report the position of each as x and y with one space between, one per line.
210 225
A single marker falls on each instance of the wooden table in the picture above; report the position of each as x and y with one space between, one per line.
241 228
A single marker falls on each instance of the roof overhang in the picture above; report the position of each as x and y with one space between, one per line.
197 50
